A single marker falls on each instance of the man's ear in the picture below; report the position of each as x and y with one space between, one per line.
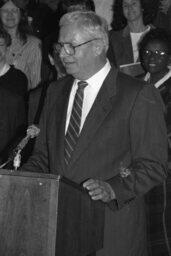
51 59
98 47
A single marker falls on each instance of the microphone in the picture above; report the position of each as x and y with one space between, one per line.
32 132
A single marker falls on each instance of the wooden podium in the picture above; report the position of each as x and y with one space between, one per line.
47 215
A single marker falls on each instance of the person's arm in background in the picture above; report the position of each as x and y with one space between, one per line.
35 60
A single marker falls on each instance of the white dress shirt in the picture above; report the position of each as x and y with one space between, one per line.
90 93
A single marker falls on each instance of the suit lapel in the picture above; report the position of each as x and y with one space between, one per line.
100 109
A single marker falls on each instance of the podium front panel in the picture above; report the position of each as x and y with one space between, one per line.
80 223
28 215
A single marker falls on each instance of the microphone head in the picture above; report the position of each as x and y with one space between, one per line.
33 131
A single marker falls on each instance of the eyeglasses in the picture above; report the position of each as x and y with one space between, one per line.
69 48
157 53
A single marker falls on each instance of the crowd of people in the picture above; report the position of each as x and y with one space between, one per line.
103 126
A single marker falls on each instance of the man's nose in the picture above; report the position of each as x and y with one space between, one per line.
62 53
152 57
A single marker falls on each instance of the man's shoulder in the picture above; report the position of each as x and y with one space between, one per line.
129 82
60 86
133 87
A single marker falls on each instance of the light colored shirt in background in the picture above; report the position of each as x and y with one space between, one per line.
28 59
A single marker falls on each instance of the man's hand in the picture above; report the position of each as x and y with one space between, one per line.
99 190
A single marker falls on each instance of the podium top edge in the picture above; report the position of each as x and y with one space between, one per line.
29 174
58 178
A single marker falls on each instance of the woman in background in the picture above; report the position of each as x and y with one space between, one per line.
25 51
131 22
11 79
155 53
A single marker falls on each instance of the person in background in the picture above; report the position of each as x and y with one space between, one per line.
25 50
130 23
11 78
38 95
13 90
155 53
12 120
103 130
42 18
163 17
155 56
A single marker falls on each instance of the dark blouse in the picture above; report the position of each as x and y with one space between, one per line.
15 81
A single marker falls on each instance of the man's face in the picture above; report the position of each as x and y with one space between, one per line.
81 63
132 9
3 50
10 15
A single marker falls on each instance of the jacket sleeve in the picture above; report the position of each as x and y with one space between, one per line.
148 142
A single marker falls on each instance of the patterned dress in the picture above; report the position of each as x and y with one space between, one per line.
27 58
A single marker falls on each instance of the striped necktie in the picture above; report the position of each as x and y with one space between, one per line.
73 130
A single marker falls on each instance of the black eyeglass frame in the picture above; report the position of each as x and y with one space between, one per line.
71 49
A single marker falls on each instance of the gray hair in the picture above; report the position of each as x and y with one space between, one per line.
89 23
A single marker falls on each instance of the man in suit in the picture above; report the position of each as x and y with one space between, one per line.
103 130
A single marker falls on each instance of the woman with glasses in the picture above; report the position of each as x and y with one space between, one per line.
155 52
24 52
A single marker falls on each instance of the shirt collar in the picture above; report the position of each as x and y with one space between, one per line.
98 77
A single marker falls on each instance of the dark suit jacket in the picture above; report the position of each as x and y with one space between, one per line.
124 129
120 47
120 50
